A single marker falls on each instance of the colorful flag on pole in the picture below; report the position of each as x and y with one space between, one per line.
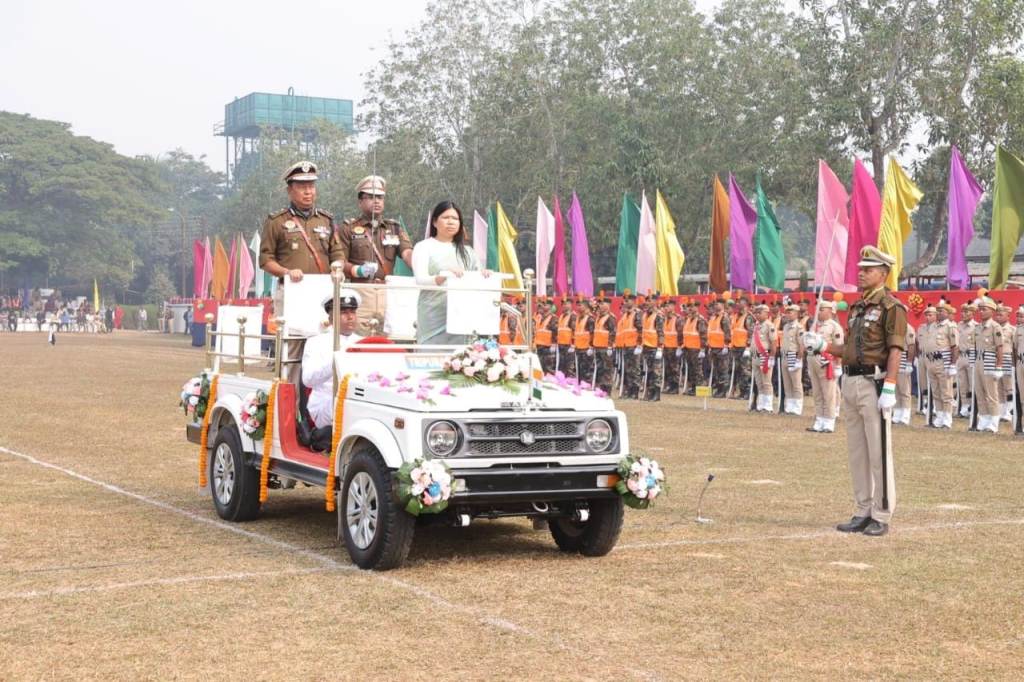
480 237
629 234
492 239
401 269
770 261
508 262
719 233
198 258
833 231
561 275
232 286
1007 216
962 200
221 267
545 244
208 266
671 258
582 276
95 296
865 215
646 249
900 197
742 223
246 271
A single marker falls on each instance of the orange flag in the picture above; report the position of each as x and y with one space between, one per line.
219 283
719 233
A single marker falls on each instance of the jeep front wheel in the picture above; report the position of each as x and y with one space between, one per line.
594 537
378 533
235 487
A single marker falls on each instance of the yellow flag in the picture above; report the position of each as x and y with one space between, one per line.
670 254
899 199
507 261
95 295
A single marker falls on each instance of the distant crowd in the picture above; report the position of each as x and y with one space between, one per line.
45 313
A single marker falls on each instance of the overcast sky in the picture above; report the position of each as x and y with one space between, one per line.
151 76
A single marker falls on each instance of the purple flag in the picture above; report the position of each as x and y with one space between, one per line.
582 277
742 222
964 194
561 276
198 262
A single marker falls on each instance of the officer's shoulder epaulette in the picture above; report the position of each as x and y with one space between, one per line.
326 214
350 221
889 301
278 214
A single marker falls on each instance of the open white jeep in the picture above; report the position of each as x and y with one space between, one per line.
548 450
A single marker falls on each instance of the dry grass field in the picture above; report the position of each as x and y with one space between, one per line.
114 566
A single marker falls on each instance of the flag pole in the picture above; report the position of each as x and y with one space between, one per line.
821 285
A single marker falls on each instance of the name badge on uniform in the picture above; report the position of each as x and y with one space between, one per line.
358 230
873 315
320 231
390 240
295 246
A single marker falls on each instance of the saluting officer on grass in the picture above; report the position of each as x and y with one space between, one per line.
875 339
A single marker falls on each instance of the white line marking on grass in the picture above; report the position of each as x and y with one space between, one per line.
954 507
765 481
327 562
855 565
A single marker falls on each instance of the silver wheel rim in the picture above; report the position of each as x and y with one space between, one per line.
361 510
223 474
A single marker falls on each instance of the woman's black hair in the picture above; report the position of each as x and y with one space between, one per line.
461 250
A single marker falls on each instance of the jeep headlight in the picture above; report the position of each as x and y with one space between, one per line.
442 438
599 435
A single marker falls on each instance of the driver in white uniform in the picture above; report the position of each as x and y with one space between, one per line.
318 360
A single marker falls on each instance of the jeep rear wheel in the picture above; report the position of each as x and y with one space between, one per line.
235 487
378 533
594 537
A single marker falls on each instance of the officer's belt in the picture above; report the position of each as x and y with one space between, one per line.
861 370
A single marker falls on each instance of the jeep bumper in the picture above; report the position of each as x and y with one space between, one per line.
535 484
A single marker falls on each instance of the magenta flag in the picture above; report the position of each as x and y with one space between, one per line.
646 249
545 243
480 238
964 194
198 262
742 223
865 217
204 289
833 231
561 276
232 268
582 276
246 271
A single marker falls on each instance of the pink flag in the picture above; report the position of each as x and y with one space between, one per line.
561 278
232 268
833 231
204 289
964 194
198 259
582 276
480 238
245 268
646 249
865 218
742 223
545 243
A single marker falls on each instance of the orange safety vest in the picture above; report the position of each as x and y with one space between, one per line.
505 336
543 335
650 330
739 332
625 335
671 335
716 337
601 333
564 330
691 334
582 338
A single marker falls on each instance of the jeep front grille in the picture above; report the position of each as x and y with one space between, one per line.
498 439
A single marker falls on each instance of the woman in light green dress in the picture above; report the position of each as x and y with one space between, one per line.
444 252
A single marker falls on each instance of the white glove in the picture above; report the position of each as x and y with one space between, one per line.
798 366
725 351
657 354
951 371
552 349
887 400
572 349
746 353
906 369
995 374
700 355
838 372
366 270
814 342
590 352
637 350
679 352
609 352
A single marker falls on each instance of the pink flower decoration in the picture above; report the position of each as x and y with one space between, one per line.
385 382
401 376
447 390
374 377
405 389
425 383
422 394
600 393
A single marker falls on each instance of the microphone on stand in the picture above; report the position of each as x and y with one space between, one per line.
707 482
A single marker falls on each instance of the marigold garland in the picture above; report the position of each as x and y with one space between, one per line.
204 431
339 415
268 441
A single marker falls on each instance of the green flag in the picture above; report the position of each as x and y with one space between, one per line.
1007 216
629 236
492 240
769 259
401 269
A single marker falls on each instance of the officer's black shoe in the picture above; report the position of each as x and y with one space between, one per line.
855 525
876 529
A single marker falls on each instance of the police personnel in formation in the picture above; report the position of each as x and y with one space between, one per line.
695 340
652 338
875 340
793 362
942 365
673 353
566 352
965 365
925 348
719 338
298 240
370 246
740 323
582 338
904 383
627 338
1006 381
604 345
1018 355
825 371
989 366
544 334
763 340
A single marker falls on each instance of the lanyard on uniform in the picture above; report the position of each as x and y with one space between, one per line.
309 245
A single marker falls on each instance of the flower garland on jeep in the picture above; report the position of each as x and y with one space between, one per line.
485 361
339 420
268 443
204 430
254 414
195 396
424 486
641 480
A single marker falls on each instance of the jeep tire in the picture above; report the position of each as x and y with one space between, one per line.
377 531
235 487
594 537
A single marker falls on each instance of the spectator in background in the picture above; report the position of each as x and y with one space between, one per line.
118 317
143 318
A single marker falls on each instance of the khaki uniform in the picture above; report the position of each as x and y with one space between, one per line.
360 242
792 367
965 365
925 347
298 240
988 344
904 385
943 339
763 338
1006 381
876 323
825 373
1018 347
